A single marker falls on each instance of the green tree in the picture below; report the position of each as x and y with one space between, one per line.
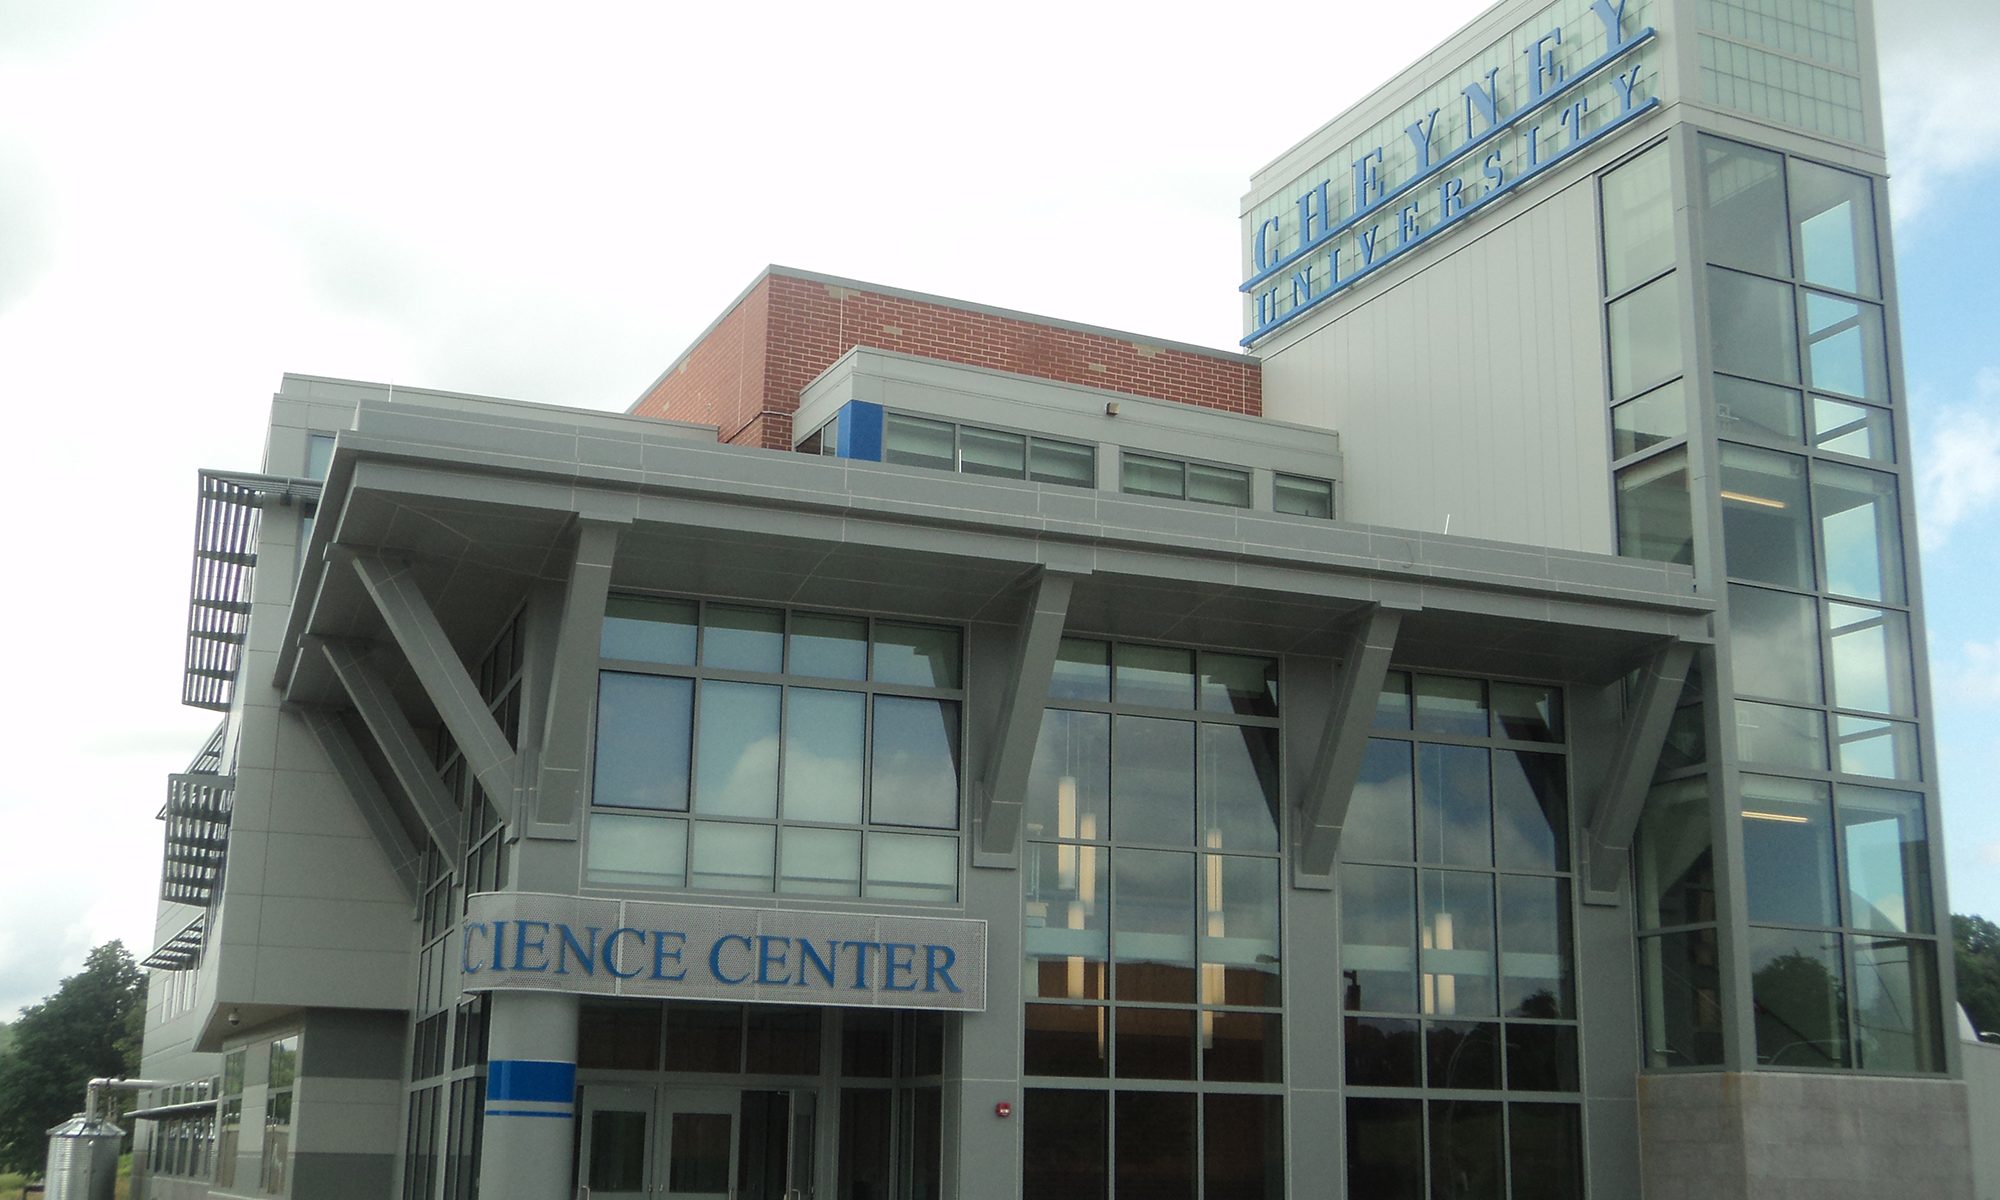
60 1045
6 1036
1978 945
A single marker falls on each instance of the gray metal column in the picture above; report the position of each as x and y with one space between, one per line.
530 1097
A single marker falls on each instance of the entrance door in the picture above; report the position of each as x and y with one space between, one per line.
681 1143
775 1146
698 1143
617 1137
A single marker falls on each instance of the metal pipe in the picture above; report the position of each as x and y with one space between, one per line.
123 1085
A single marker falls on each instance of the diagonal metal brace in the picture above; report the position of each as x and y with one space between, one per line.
1613 814
573 684
1000 794
444 678
1329 788
376 809
400 746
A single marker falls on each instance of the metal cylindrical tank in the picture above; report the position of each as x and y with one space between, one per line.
83 1160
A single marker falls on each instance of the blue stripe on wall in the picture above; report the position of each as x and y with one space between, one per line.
528 1079
861 431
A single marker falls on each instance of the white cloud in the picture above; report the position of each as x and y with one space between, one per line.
1990 854
1971 675
1960 475
1936 103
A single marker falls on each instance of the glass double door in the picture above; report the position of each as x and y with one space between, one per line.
669 1142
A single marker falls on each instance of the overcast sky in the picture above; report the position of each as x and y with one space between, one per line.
550 202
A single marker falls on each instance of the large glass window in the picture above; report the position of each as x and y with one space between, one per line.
1654 517
1752 330
1743 208
1766 525
808 753
1179 479
1456 947
1845 349
1835 211
1638 221
978 450
1152 1026
1645 338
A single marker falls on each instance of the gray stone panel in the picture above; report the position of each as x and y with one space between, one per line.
328 1176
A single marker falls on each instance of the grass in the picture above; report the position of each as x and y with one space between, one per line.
12 1185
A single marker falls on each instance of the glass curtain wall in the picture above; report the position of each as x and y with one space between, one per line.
1456 947
1153 1027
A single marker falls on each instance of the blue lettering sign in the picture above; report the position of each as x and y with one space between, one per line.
1544 72
611 950
584 952
938 962
715 958
465 949
1420 137
861 972
522 945
772 953
899 963
809 958
661 954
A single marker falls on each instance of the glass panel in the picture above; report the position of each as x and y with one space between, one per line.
704 1037
1836 215
635 851
1745 408
643 728
914 769
732 858
1462 1054
1743 208
1302 497
1243 1147
1468 1149
1160 676
1378 938
1392 707
867 1129
736 768
743 639
1674 849
1798 992
619 1035
918 655
1153 925
1886 857
825 736
1896 1006
1385 1149
830 647
1638 220
1144 475
1382 1052
1854 429
1645 338
1062 462
1064 1137
1527 713
1654 519
1244 684
1451 705
1069 784
867 1043
992 452
1860 532
910 866
1775 648
1154 1043
1455 805
1788 851
1242 1047
782 1041
657 631
1535 971
1065 1039
1239 787
698 1160
1381 812
1542 1058
1530 811
1545 1151
1847 353
1239 933
1152 780
1457 936
1884 749
916 442
618 1151
1871 659
1765 523
1082 670
1658 416
319 454
1218 485
819 862
1683 984
1751 326
1772 735
1156 1149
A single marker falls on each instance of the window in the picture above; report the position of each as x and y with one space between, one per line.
229 1118
748 749
1302 497
977 450
1459 972
319 454
1153 1027
277 1155
1177 479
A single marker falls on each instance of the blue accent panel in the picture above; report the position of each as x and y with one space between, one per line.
516 1112
861 431
530 1080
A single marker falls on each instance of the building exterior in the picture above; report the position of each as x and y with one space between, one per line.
1471 742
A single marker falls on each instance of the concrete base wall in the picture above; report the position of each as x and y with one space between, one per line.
1773 1136
1982 1082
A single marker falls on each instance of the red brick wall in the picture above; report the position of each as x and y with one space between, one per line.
746 375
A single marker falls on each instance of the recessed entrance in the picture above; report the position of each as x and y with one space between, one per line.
673 1142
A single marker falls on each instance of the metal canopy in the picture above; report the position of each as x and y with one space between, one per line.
181 951
197 817
225 534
